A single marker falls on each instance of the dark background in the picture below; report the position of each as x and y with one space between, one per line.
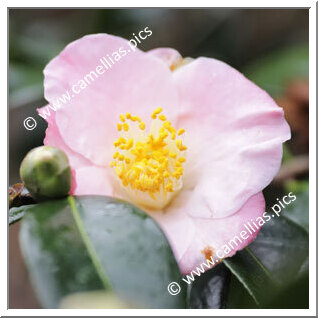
270 46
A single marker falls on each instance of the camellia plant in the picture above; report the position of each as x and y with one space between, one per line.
168 158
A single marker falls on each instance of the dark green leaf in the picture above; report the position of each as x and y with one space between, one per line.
55 255
253 275
298 212
114 243
282 247
210 290
238 297
276 263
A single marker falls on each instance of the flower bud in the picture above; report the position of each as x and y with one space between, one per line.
46 173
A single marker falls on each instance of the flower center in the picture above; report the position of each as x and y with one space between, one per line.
149 165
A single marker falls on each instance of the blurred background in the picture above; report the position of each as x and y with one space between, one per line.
270 46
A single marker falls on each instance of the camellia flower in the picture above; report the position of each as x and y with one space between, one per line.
190 141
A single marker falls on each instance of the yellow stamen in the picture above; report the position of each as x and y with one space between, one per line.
149 165
122 118
180 146
113 163
125 127
156 112
136 118
130 143
142 126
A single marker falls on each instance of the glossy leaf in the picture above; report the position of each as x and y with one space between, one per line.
298 212
259 276
54 252
253 275
87 243
210 290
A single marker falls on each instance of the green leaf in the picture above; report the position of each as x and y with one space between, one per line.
210 289
275 263
282 247
298 212
219 289
238 297
248 269
92 242
55 255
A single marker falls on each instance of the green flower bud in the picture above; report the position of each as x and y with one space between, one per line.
46 173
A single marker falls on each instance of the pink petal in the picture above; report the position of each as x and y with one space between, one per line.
137 83
189 236
167 55
234 134
54 138
86 178
92 180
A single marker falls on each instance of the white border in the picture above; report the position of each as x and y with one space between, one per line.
312 160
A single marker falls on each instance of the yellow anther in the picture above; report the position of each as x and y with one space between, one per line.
169 187
125 127
136 118
157 111
119 170
163 135
113 164
142 126
122 118
121 140
180 146
177 174
149 163
167 125
129 144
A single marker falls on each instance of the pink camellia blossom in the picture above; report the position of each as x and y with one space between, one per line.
190 141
